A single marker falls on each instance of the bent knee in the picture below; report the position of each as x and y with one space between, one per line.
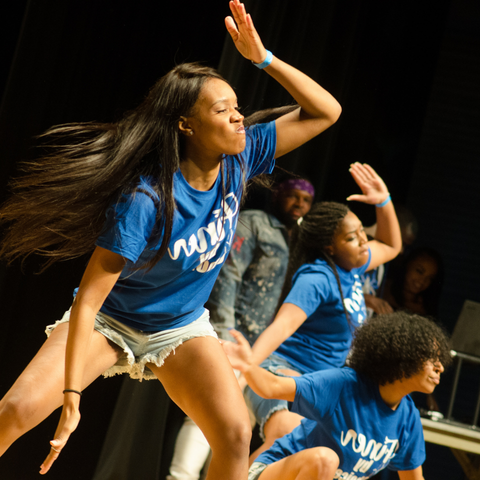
15 411
280 423
321 461
234 439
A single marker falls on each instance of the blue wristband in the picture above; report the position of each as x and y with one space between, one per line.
266 62
380 205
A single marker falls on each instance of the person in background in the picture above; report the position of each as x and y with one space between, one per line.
359 419
375 280
417 285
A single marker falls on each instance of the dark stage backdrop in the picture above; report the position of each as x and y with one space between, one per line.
406 74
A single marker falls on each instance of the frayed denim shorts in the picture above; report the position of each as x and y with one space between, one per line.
264 408
140 347
255 470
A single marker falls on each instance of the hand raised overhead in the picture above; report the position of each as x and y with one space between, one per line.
373 187
243 33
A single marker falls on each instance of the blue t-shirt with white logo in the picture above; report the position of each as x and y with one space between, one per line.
345 412
324 339
173 292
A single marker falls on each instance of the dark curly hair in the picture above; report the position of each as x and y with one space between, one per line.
397 345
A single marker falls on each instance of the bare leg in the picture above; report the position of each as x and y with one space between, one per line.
318 463
278 425
200 380
38 390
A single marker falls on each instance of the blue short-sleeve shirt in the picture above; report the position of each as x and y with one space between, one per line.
323 340
173 292
345 412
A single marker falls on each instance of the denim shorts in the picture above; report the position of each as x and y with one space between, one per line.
264 408
140 347
255 470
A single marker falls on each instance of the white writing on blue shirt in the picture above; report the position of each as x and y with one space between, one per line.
223 225
356 304
371 450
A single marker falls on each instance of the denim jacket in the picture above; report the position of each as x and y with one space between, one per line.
249 284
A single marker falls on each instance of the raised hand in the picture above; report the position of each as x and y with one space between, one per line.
243 33
69 420
239 352
373 187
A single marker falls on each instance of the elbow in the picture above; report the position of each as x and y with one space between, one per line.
335 113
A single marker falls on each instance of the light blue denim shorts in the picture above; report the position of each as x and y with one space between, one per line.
263 408
255 470
140 347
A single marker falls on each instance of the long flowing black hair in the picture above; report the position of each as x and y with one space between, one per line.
58 206
309 241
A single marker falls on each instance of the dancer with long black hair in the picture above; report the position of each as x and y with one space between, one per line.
169 178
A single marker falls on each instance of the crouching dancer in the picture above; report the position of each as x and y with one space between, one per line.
358 419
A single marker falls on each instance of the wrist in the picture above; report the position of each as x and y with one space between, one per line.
387 200
266 62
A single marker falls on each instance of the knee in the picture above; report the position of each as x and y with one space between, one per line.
279 424
15 411
235 439
320 462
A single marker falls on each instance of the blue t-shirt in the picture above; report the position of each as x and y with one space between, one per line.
324 339
345 412
173 292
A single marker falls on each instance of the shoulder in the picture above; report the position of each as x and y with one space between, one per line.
261 130
261 144
337 377
318 268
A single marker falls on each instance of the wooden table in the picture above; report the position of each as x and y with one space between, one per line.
463 442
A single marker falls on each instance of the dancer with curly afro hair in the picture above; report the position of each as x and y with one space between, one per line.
358 419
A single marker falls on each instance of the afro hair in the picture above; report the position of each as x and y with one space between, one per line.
397 345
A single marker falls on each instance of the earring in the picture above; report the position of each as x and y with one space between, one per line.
190 132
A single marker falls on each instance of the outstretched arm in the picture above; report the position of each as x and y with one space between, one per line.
99 278
262 382
318 109
286 322
388 239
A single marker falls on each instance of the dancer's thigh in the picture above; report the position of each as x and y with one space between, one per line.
199 378
42 381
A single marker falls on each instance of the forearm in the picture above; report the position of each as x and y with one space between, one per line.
268 385
314 100
388 229
286 322
82 319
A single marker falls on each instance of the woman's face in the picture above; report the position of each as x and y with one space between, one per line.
420 273
427 378
349 249
216 123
